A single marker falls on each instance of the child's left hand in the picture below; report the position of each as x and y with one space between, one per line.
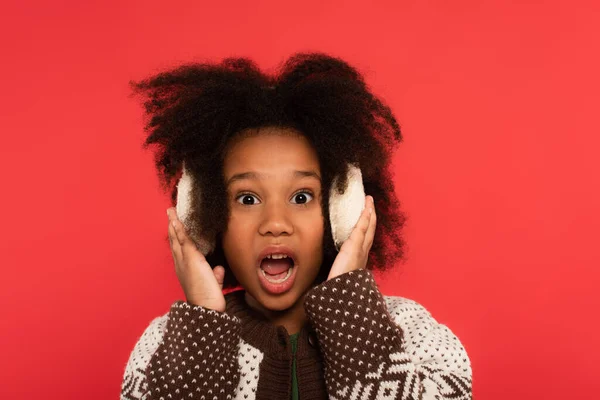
354 252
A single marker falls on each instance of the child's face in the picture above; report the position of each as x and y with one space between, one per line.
274 194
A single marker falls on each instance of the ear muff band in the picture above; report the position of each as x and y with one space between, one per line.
344 209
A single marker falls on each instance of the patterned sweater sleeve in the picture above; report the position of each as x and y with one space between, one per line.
189 353
384 348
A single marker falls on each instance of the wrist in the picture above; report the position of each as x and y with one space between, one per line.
210 304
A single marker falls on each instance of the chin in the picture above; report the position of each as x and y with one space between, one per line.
280 302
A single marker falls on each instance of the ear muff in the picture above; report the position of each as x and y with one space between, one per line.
344 209
183 207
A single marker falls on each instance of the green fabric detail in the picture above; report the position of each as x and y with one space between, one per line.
294 342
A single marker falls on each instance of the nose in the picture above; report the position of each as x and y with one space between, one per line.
275 220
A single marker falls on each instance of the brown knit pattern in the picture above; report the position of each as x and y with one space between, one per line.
198 357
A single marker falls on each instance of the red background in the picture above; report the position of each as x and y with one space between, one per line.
498 175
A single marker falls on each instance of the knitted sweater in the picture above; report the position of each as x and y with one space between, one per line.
358 344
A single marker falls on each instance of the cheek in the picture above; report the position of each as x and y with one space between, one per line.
314 228
234 236
234 243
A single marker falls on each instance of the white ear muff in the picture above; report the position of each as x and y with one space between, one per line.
183 207
345 209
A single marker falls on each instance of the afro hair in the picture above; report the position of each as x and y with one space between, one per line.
194 110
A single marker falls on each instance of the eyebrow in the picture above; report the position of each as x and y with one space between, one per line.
256 176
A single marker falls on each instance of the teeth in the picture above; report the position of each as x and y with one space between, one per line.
277 256
285 278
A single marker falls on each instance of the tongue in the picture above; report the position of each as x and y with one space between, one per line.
275 267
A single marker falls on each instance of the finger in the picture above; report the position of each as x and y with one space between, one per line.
370 235
360 229
219 273
186 243
190 255
175 245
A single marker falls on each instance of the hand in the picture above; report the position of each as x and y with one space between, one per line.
354 252
202 285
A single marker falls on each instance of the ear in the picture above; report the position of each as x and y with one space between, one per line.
184 201
345 209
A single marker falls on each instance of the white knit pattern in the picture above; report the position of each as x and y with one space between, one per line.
433 348
134 379
426 341
249 358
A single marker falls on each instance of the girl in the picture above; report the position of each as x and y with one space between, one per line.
271 176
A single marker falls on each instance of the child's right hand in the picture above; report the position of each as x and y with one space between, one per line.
202 285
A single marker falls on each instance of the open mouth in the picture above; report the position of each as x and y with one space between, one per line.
277 268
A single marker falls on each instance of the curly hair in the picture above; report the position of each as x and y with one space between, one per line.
194 111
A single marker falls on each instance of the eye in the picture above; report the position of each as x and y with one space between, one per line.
247 199
302 198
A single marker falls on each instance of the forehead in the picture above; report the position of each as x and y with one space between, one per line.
270 151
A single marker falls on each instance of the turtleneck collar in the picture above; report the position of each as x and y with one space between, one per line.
272 340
